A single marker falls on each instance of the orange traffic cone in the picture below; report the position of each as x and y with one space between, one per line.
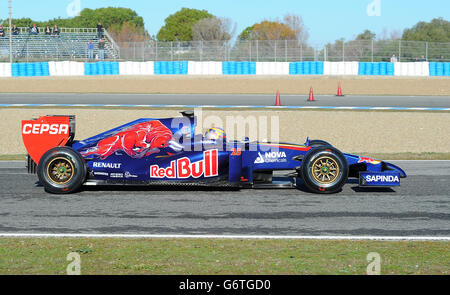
311 94
339 92
278 99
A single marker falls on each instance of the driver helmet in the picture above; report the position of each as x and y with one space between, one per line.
215 133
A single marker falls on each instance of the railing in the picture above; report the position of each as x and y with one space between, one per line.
114 46
383 50
217 51
284 51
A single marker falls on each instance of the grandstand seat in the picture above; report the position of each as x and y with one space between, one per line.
66 46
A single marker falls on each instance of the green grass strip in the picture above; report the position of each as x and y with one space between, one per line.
220 256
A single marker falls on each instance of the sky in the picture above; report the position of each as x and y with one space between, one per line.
326 20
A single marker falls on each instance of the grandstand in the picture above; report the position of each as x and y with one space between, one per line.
70 44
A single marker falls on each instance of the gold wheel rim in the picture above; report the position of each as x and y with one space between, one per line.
325 170
60 170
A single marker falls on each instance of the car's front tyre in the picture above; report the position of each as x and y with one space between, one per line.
324 170
61 170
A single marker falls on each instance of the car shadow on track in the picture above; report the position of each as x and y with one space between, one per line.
358 189
153 188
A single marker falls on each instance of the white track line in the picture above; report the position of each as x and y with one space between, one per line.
254 237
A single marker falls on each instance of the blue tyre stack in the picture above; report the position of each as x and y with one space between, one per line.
439 69
15 72
45 69
108 68
447 69
433 68
38 69
390 69
115 70
157 68
252 68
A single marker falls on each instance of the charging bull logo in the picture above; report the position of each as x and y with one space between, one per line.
137 141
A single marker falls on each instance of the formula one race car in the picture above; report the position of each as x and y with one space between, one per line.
165 152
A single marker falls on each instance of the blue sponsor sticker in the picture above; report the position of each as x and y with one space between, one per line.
379 179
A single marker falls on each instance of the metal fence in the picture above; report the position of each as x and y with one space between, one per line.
283 51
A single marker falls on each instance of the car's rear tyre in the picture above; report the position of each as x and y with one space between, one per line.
324 170
61 170
318 142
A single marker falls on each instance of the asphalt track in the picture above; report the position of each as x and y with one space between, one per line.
227 99
420 207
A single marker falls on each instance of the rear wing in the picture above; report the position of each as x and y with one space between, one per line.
44 133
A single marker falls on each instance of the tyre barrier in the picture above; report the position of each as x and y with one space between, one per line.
376 69
66 68
205 68
101 68
6 70
239 68
341 68
272 68
136 68
306 68
72 68
440 69
412 69
171 67
37 69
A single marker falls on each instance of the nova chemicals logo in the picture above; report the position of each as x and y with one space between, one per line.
382 178
260 159
271 157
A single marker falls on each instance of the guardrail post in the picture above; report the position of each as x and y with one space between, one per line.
372 50
257 51
275 50
285 50
301 51
201 50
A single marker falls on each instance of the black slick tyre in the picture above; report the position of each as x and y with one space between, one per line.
324 170
62 170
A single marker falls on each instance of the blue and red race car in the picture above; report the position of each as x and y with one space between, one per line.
164 152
